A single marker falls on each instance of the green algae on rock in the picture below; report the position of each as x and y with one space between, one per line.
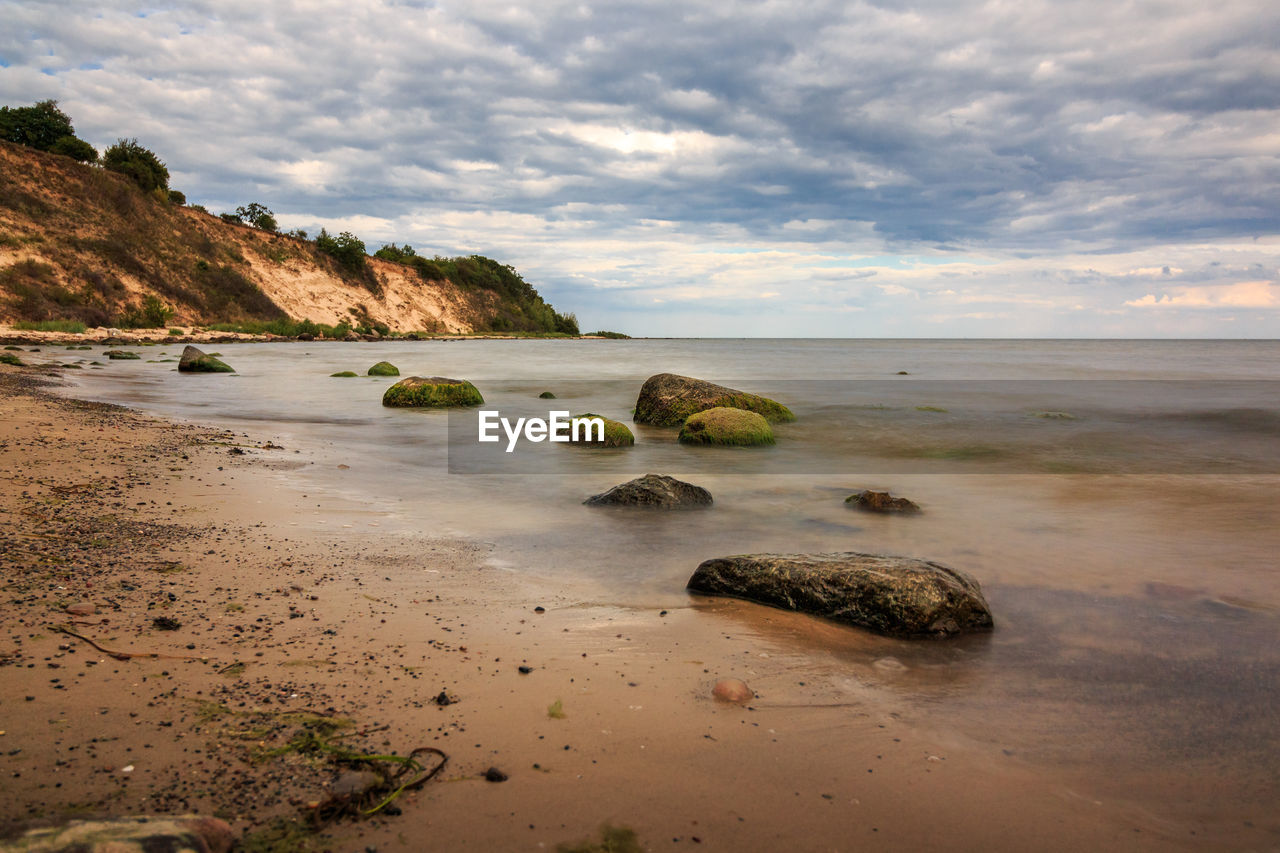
121 355
384 368
726 426
432 392
196 361
616 433
667 399
343 374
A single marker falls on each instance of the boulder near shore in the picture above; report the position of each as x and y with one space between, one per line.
898 596
873 501
667 399
144 834
653 490
432 392
726 426
197 361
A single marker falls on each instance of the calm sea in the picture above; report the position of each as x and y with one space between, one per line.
1116 499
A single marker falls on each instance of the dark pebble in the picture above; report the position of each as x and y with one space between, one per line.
493 774
525 670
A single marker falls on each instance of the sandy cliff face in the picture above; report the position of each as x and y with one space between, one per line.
77 242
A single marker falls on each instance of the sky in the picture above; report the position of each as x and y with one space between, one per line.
1014 168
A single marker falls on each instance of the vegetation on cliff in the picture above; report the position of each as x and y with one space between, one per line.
106 242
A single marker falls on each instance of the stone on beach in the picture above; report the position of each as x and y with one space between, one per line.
432 392
898 596
667 399
142 834
732 690
196 361
653 490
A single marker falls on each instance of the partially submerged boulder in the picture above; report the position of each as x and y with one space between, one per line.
432 392
668 399
898 596
143 834
197 361
653 490
873 501
725 425
384 368
343 374
616 433
121 355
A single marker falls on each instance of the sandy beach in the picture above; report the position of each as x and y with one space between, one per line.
205 631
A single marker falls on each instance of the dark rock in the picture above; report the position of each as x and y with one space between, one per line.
668 400
444 699
493 774
151 834
546 395
306 336
525 670
196 361
872 501
539 609
432 392
165 623
655 490
899 596
121 355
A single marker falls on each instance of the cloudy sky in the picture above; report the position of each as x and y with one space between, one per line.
906 169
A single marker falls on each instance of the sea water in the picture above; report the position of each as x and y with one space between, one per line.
1117 500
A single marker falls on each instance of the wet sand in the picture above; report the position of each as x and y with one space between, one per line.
289 604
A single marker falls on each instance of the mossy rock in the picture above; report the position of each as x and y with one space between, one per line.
384 368
546 395
728 426
616 433
668 399
344 374
432 392
10 358
12 347
197 361
121 355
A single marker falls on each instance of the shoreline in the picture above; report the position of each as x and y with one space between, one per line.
144 518
10 336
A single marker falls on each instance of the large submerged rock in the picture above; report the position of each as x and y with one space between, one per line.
654 490
432 392
899 596
197 361
870 500
668 399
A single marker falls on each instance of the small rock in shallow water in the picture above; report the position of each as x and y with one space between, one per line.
732 690
873 501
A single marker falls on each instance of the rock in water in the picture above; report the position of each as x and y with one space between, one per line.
384 368
880 502
898 596
121 355
616 433
655 490
432 392
668 400
154 834
196 361
726 426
